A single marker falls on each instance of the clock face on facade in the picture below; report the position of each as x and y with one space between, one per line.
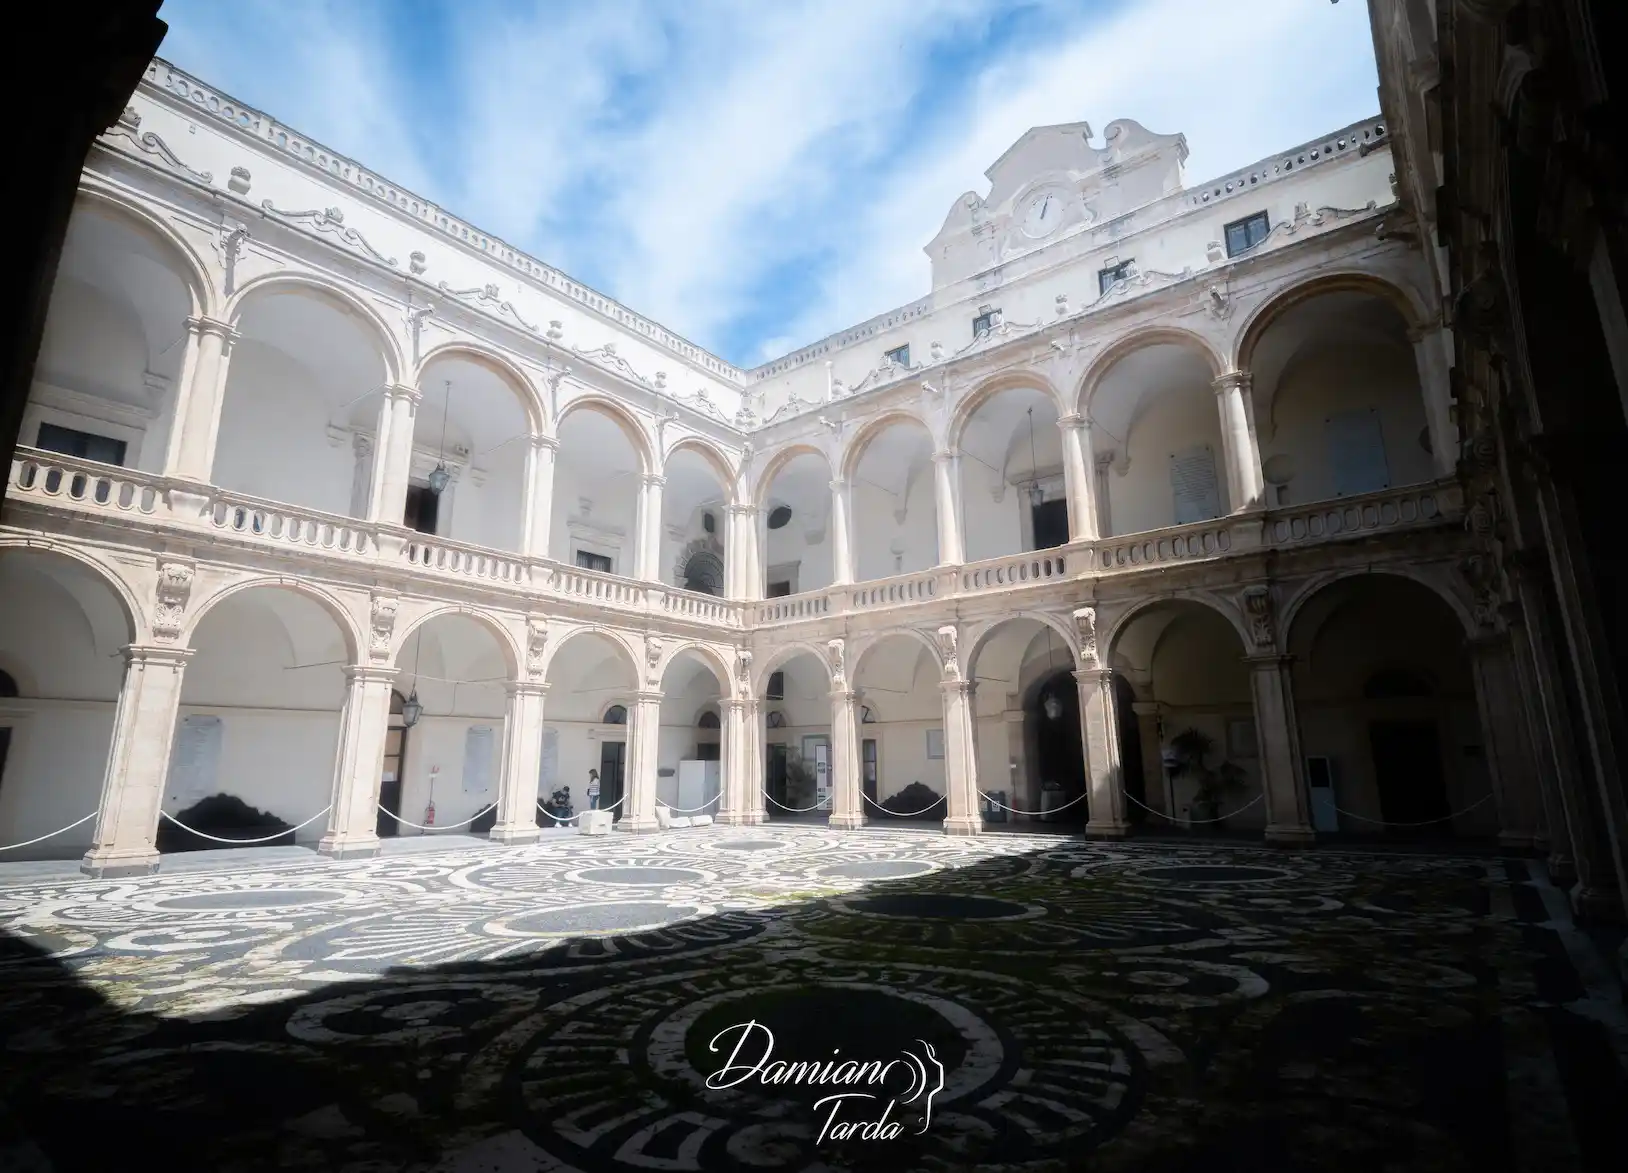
1042 215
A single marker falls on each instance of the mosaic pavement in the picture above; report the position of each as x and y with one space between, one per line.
1053 1004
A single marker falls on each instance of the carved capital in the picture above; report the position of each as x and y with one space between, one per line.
1256 604
1085 626
654 480
743 668
220 329
1072 422
402 393
948 639
836 649
381 626
536 645
1231 380
172 592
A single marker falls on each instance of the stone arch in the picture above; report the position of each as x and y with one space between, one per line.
1138 340
332 604
975 399
205 296
709 452
984 631
135 617
341 298
618 415
704 548
612 636
854 452
857 659
505 638
708 655
1314 586
783 654
781 458
1108 642
1260 321
525 390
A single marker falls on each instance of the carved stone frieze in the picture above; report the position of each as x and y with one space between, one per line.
536 646
488 298
330 222
173 590
381 627
129 127
743 667
1085 625
836 649
652 660
1258 613
948 638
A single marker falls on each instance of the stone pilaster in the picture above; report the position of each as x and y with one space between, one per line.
647 565
202 390
1245 481
1277 727
522 763
1099 731
643 731
353 818
538 515
961 758
1078 479
138 762
847 803
1509 759
947 500
392 465
842 536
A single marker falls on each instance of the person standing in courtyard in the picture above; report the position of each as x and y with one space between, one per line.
593 790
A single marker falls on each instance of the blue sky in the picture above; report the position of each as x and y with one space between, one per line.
756 174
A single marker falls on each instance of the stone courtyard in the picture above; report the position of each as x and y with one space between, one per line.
462 1006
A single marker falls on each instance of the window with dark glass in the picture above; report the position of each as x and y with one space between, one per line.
85 445
984 321
600 562
779 590
709 720
777 686
615 715
1106 277
423 509
899 355
1245 234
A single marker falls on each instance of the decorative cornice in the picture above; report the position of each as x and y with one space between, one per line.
330 222
488 298
129 127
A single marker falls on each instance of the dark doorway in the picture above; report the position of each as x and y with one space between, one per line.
1131 767
423 509
8 688
612 755
1059 756
868 766
708 751
1050 524
778 590
395 757
775 778
1407 769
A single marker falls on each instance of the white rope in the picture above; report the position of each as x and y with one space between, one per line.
1193 822
1422 822
244 842
1032 814
43 838
796 810
579 814
898 814
694 810
448 827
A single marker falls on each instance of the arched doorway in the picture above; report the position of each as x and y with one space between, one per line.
587 730
390 775
1051 717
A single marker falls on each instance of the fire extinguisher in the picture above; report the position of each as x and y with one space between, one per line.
429 814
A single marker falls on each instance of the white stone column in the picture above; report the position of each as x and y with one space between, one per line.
522 763
642 751
1099 732
735 799
1509 759
1432 356
961 758
538 516
947 504
647 563
842 537
1277 729
740 551
847 803
364 725
1078 479
1018 793
1245 481
394 462
138 762
196 426
361 485
1104 514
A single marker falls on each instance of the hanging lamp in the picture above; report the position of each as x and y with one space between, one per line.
1037 495
439 476
412 708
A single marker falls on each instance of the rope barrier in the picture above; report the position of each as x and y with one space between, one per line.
579 814
1033 814
43 838
796 810
245 842
896 814
1198 822
448 827
1422 822
695 810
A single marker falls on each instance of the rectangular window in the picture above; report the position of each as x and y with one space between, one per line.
984 321
899 355
423 508
1192 482
1050 524
1107 277
600 562
1245 234
777 686
778 590
1356 452
935 745
85 445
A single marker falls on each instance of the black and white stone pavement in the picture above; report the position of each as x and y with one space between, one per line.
468 1006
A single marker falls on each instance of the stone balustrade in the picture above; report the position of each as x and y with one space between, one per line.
80 486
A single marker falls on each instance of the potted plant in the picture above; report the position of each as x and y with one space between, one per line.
1189 757
800 783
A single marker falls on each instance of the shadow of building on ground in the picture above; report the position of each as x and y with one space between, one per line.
1166 1008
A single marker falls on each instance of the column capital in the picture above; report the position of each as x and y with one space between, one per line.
1095 677
1242 380
156 654
370 673
959 686
737 705
1073 422
541 441
401 392
945 455
361 443
846 695
1269 661
525 688
839 485
654 480
741 510
647 697
220 329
